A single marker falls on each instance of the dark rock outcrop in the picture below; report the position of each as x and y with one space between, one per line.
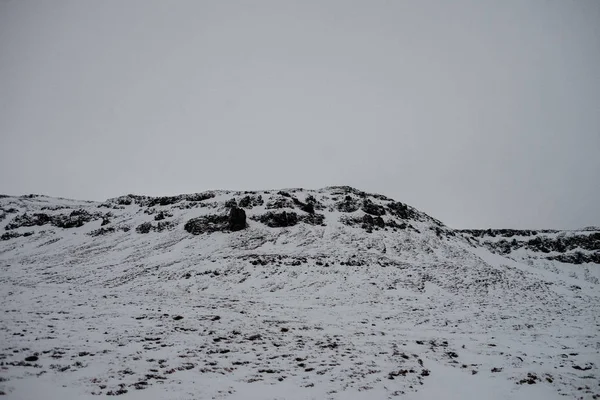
278 220
232 222
251 201
75 219
10 235
148 227
573 248
147 201
348 205
577 258
371 208
313 219
280 202
161 215
207 224
401 210
237 219
231 203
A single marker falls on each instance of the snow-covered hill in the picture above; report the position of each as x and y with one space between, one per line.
293 294
575 253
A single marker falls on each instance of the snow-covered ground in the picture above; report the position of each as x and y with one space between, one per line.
337 309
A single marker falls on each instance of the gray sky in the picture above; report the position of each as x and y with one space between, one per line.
480 113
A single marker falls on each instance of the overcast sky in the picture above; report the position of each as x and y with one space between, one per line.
480 113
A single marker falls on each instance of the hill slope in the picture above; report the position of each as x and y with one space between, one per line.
331 293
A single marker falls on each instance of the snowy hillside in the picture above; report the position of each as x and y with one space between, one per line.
293 294
575 253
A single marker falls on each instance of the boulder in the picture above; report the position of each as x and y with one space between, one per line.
237 219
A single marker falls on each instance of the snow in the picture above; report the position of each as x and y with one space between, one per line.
325 314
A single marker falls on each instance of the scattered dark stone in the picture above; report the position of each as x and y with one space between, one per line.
155 376
425 372
254 337
452 354
117 392
102 231
31 358
83 353
266 371
401 372
177 317
284 329
140 385
496 369
215 318
186 367
530 380
577 367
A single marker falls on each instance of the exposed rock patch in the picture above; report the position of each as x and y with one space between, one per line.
237 219
278 219
148 227
75 219
348 205
234 221
251 201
